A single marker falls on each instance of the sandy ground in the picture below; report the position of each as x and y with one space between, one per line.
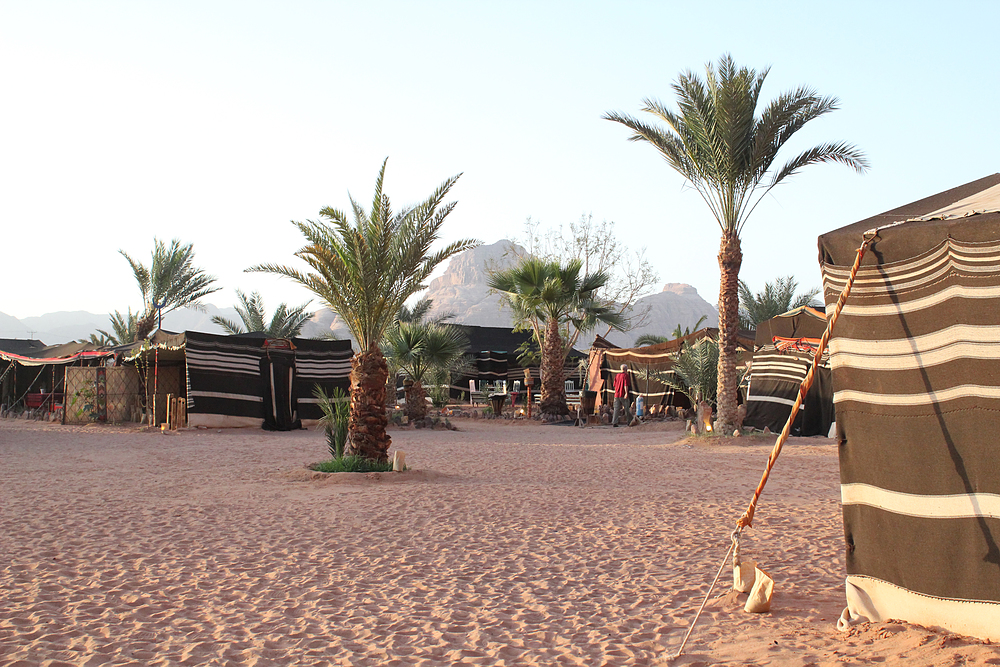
505 545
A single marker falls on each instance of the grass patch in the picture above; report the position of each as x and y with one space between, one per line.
352 464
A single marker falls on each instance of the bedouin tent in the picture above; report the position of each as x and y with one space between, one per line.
784 349
916 369
644 363
32 375
494 355
252 379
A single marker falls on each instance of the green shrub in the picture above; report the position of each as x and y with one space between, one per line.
336 410
354 463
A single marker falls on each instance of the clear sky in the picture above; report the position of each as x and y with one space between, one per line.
218 122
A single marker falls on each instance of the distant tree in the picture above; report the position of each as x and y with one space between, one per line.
653 339
630 275
286 323
419 311
365 269
776 298
553 298
423 351
725 150
171 281
123 331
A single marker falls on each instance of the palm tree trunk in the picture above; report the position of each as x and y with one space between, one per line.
553 399
416 401
730 260
145 325
368 419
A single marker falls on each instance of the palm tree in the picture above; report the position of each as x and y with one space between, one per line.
776 298
725 150
286 323
365 270
123 330
171 281
653 339
548 296
423 350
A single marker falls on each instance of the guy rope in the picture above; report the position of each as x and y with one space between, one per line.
746 520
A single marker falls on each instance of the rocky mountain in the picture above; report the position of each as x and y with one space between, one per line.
677 304
462 289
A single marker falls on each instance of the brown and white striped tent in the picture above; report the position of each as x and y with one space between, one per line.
784 351
916 373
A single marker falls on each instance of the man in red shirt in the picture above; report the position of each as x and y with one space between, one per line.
623 390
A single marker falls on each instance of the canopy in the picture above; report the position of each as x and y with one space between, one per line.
916 368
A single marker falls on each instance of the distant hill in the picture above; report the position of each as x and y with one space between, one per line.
66 326
461 290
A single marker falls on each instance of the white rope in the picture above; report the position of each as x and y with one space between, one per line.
735 541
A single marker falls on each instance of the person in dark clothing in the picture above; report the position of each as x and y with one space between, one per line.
623 392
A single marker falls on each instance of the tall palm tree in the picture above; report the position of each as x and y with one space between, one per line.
548 296
172 281
776 298
123 330
422 350
287 322
365 270
725 150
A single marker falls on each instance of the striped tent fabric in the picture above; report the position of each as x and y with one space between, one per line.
786 345
326 363
244 381
916 369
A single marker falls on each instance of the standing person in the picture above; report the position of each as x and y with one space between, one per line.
623 392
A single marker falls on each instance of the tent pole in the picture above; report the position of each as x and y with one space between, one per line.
156 377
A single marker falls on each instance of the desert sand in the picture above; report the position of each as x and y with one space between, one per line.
506 544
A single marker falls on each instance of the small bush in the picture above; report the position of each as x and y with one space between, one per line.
352 464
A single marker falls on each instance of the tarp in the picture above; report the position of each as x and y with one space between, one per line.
785 347
57 355
916 368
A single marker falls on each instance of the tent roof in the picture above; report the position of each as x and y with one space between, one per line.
649 353
499 339
802 322
969 212
65 353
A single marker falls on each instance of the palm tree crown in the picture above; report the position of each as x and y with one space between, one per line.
172 281
365 270
776 298
723 148
286 322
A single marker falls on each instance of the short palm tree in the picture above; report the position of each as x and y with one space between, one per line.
172 281
725 150
646 340
287 322
549 296
365 269
123 330
422 351
776 298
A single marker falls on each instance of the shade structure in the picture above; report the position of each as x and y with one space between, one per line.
784 349
916 373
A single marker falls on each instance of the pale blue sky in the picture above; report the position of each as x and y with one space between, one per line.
218 122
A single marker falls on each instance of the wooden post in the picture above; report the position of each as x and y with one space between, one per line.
168 418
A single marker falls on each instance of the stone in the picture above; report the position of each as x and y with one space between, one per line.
398 461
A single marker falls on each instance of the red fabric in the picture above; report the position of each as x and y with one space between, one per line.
621 385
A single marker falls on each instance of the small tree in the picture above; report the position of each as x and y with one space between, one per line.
170 282
422 352
554 299
776 298
364 270
287 322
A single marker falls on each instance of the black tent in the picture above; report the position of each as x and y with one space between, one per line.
916 368
252 379
784 349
